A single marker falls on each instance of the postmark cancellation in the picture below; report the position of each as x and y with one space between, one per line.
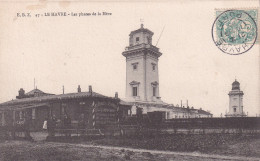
234 31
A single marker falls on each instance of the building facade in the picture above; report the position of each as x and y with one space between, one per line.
236 101
90 109
142 79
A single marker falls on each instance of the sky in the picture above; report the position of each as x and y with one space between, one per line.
87 50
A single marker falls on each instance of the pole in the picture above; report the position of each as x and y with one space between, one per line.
160 35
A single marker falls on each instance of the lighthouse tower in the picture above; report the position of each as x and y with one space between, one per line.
235 101
142 77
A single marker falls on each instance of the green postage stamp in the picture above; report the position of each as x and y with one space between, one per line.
235 31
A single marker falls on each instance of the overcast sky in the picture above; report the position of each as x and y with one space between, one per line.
85 51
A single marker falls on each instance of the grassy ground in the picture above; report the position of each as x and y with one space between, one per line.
32 151
210 144
231 145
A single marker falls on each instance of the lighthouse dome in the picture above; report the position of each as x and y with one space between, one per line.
235 85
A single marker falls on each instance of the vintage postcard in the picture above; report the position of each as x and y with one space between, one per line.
129 80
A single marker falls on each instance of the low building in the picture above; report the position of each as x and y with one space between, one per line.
94 109
170 111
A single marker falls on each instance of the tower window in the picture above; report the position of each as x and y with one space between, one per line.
134 91
135 65
235 109
153 66
137 39
149 40
154 91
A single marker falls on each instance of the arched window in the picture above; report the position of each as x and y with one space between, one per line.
154 87
134 91
154 91
134 85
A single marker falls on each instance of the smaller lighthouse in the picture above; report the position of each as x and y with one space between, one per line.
235 101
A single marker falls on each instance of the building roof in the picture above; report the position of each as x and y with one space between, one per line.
142 29
126 103
22 106
32 92
157 104
164 105
235 85
204 112
46 98
235 82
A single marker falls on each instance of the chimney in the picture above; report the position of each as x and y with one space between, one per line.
90 89
116 95
62 89
21 92
79 89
